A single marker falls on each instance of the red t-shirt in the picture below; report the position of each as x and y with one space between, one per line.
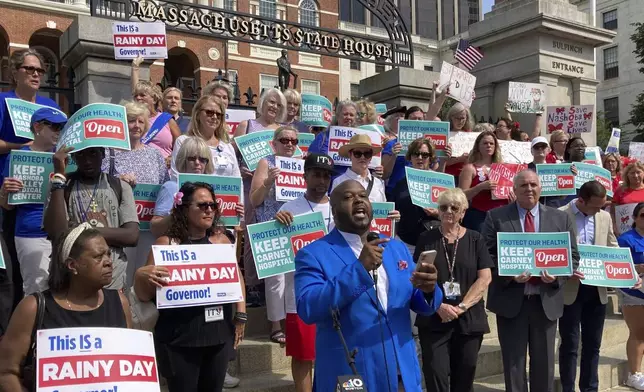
552 158
617 182
627 196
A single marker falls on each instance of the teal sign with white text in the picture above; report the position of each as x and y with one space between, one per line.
255 146
145 198
96 125
437 132
556 179
605 266
589 172
20 113
380 223
33 168
426 185
228 193
316 110
534 252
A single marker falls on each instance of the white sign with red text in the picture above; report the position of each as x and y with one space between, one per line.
235 116
96 359
289 184
199 275
339 136
134 39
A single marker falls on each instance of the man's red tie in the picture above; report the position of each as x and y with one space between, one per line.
528 227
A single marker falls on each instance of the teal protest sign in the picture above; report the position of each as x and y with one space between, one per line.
228 191
274 245
33 168
316 110
255 146
20 113
426 185
374 127
556 179
605 266
589 172
380 223
381 108
305 140
145 198
436 131
2 263
96 125
534 252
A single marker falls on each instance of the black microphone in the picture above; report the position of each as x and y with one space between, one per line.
372 236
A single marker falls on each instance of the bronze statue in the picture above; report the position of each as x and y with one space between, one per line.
285 72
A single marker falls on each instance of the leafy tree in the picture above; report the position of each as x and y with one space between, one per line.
604 130
637 111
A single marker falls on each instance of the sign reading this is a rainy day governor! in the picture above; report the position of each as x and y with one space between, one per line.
96 125
437 132
33 168
289 184
606 266
145 197
20 113
228 191
339 136
426 185
132 39
235 116
534 252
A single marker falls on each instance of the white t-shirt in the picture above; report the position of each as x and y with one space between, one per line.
301 206
377 194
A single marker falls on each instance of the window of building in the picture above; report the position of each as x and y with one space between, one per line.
309 13
380 68
352 11
429 68
610 20
230 5
310 87
267 82
427 18
232 76
354 64
474 14
611 68
355 91
447 15
268 8
611 111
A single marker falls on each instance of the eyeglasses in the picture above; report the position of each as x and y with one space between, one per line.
205 205
212 113
445 208
424 155
360 154
32 70
202 160
285 141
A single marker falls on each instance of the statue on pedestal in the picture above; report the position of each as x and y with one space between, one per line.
285 72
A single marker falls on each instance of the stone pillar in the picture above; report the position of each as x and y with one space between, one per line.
400 87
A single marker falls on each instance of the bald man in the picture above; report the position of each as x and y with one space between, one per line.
335 274
527 308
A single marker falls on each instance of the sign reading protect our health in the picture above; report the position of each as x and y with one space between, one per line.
556 179
145 198
96 125
228 191
534 252
255 146
437 132
33 168
605 266
426 185
199 275
96 359
20 113
339 136
380 223
134 39
316 110
289 184
274 245
589 172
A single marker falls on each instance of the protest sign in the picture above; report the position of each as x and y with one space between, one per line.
513 151
613 142
33 168
381 109
636 151
228 191
592 155
96 125
503 174
20 113
96 359
572 119
339 136
2 263
203 274
460 82
134 39
605 266
526 97
462 142
426 185
534 252
305 140
624 217
316 110
589 172
255 146
374 127
289 184
145 198
235 116
380 223
274 245
436 131
556 179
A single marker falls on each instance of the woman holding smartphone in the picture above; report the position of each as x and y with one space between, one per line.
450 339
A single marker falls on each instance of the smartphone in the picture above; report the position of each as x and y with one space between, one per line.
427 257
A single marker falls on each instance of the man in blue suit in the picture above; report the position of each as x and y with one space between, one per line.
336 272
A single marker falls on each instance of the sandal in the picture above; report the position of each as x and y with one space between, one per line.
278 337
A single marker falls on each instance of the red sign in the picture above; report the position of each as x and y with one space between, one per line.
193 274
156 40
605 182
615 270
565 182
436 191
104 128
227 205
300 241
438 141
383 226
503 174
551 258
292 180
334 145
144 210
326 115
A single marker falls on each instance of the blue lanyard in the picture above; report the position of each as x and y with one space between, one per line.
328 219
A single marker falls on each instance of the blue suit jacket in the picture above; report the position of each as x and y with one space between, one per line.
329 276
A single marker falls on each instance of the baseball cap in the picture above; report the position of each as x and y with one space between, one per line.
51 115
318 161
539 140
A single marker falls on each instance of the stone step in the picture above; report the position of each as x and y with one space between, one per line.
277 381
257 355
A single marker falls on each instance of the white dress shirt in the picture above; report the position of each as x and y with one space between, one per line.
377 194
355 242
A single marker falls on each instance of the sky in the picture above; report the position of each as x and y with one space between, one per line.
487 6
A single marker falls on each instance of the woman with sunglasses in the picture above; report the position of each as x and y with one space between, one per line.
293 104
450 339
366 113
264 200
192 350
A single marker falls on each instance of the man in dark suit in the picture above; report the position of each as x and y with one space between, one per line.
527 308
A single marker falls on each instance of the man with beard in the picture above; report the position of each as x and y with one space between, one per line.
371 287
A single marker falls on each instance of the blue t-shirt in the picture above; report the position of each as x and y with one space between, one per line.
635 242
320 145
6 127
183 123
398 172
28 216
165 198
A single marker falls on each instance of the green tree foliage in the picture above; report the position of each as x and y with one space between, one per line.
637 110
603 130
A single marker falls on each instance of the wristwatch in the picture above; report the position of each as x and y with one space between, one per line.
462 307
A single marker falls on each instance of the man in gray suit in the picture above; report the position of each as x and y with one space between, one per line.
527 308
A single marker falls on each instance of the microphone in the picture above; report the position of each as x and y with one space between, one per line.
372 236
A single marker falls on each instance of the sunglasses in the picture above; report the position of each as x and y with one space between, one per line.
285 141
202 160
54 127
360 154
424 155
445 208
212 113
32 70
205 205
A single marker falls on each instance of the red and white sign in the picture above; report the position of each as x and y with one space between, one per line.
227 205
289 184
617 270
551 257
300 241
383 226
199 275
144 210
566 182
235 116
134 39
339 136
503 174
103 128
96 359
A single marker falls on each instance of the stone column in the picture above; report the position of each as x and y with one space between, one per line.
400 87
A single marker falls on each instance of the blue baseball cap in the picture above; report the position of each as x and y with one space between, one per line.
51 115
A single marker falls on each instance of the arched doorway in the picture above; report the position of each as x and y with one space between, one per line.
5 74
55 82
181 71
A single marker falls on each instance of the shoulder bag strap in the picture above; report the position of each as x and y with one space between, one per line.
40 315
112 162
370 186
156 127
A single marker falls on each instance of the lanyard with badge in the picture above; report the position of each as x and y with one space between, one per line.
328 219
451 288
220 161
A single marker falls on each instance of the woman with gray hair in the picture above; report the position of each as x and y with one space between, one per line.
220 89
163 129
293 104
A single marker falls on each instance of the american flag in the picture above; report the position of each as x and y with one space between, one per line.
467 55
